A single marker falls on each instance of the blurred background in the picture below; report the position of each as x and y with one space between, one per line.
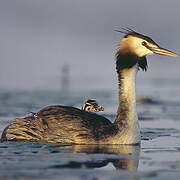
63 52
38 38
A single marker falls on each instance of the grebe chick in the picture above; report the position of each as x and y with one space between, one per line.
69 125
91 105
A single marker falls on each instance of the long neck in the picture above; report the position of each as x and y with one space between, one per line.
126 113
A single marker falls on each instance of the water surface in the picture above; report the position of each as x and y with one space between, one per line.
158 157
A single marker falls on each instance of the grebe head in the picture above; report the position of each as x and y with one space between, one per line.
91 105
139 45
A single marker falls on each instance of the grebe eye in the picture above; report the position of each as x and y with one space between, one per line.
144 43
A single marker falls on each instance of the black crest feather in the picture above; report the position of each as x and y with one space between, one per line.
129 32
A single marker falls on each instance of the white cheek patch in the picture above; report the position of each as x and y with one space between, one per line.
137 47
133 45
142 51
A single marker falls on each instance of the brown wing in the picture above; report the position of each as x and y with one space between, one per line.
57 124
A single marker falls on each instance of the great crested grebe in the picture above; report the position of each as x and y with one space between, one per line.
69 125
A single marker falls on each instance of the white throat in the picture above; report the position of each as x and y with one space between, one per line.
127 119
127 90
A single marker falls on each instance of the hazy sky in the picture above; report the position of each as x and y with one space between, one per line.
38 36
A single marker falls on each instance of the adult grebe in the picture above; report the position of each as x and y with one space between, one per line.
63 124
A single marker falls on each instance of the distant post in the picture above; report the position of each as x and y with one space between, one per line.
65 78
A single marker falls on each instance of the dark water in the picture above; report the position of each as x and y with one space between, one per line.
157 158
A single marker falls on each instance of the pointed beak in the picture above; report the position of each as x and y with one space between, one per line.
164 52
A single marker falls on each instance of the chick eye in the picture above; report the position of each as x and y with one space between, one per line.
144 43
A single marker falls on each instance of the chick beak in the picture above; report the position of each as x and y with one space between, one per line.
162 51
100 108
